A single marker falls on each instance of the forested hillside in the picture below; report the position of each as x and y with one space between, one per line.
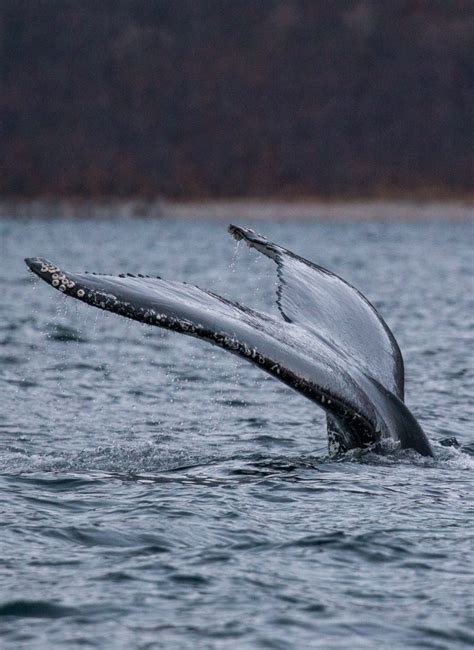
234 98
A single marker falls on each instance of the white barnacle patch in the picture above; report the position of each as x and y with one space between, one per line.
55 283
231 343
81 293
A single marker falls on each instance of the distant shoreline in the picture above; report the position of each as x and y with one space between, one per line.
309 209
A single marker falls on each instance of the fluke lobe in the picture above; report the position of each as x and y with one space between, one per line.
330 344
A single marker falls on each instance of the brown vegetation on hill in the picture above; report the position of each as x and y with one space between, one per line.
234 98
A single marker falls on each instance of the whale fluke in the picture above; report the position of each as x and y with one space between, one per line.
328 306
331 345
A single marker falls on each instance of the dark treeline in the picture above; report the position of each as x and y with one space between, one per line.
221 98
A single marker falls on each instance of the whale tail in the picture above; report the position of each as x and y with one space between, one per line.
330 345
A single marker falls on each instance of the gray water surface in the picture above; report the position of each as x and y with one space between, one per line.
159 493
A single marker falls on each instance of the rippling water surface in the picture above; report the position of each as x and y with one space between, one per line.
157 492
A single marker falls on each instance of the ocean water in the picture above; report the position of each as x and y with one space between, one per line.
157 492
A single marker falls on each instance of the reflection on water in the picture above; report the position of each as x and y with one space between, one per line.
159 493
